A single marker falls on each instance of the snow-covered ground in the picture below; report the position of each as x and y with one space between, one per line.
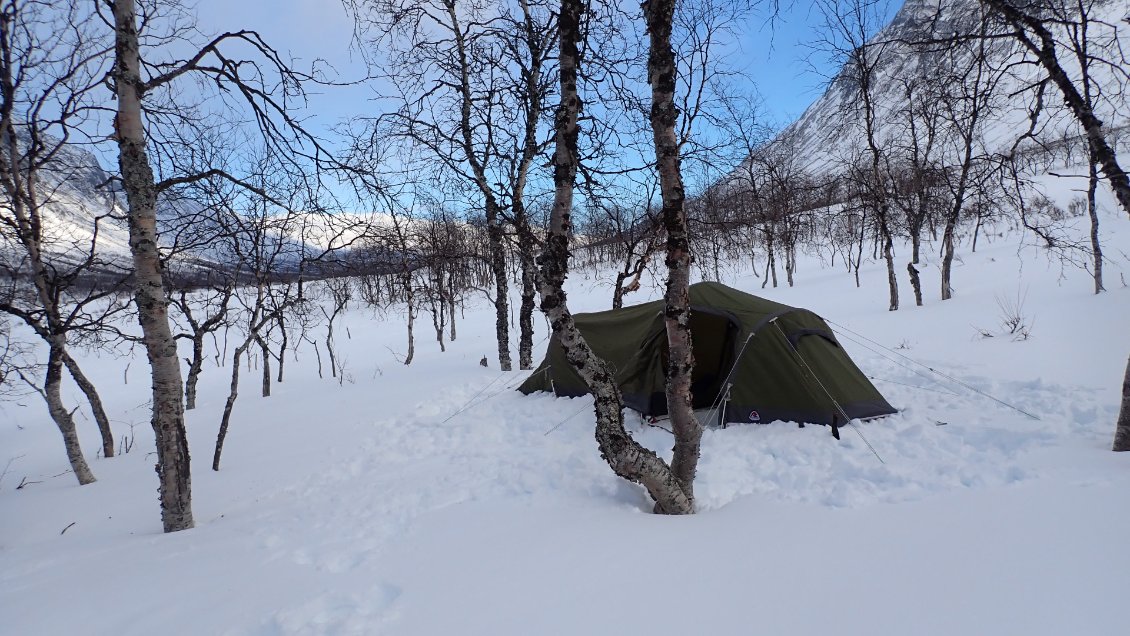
434 499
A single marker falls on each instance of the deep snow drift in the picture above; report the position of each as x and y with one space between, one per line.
434 499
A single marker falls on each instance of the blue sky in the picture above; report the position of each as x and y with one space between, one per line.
307 29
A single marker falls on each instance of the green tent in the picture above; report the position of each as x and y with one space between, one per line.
779 362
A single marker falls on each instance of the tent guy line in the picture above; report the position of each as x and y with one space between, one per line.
935 371
849 421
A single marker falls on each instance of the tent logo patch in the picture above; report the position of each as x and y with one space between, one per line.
754 416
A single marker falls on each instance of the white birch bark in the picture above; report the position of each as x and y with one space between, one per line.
624 455
152 307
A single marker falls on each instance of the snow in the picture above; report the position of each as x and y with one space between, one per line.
435 499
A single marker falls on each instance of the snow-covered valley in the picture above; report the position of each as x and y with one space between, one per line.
434 498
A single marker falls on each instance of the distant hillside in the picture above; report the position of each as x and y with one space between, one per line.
830 133
81 204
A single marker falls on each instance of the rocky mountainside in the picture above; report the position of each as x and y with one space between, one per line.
78 203
908 75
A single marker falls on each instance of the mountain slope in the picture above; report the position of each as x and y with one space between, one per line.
830 134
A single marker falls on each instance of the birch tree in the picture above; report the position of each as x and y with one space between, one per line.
260 89
662 74
471 80
849 28
624 455
1122 428
173 469
57 285
966 97
204 312
1035 26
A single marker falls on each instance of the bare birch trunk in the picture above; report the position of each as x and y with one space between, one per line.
916 238
977 230
954 214
173 468
915 283
330 350
790 262
1122 428
501 289
1044 47
624 455
411 331
889 256
618 291
526 310
661 72
915 251
195 366
1093 212
947 258
20 187
439 307
96 407
770 261
859 252
283 342
52 393
495 237
317 358
265 350
229 404
437 321
451 307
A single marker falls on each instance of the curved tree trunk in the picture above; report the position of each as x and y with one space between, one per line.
52 393
624 455
21 201
915 283
229 404
173 468
618 291
91 393
1043 46
1122 428
195 365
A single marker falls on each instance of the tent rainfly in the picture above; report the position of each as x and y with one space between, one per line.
756 360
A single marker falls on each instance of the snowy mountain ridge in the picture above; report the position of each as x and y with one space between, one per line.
82 211
829 135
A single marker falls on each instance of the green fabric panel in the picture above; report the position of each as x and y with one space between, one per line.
617 336
776 377
769 375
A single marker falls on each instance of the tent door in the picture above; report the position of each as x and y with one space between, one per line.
713 336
